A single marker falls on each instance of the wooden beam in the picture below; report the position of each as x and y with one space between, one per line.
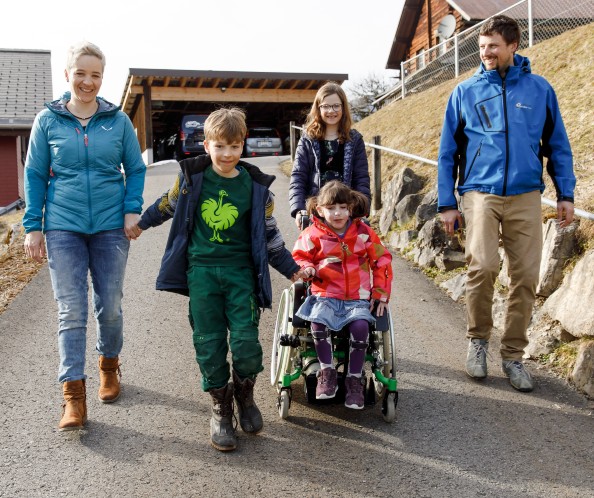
230 95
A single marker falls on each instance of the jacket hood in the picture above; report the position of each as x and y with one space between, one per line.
59 106
521 65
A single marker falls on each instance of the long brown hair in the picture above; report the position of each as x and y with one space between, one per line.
336 192
314 124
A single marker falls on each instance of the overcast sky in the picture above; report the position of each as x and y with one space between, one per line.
351 37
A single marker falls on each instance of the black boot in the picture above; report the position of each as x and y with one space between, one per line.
250 417
222 432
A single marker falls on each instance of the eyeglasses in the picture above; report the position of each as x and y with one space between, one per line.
333 107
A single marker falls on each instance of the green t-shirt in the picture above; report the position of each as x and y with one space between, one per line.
222 231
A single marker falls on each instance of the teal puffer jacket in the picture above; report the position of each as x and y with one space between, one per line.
82 179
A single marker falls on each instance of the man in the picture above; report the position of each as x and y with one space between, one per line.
498 126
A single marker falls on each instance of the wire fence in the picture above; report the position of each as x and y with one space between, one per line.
539 20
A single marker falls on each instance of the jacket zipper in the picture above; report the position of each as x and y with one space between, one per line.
486 116
478 153
503 193
344 248
86 142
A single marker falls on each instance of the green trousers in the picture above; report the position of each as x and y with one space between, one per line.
224 316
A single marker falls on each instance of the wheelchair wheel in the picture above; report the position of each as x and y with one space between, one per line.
389 402
283 403
280 354
387 352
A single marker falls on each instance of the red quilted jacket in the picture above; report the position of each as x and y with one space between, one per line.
345 266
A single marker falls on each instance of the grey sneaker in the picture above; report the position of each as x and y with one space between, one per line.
476 359
519 377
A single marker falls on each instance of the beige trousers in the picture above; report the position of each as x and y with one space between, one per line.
517 221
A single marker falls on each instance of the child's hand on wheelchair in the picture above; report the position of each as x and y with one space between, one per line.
381 307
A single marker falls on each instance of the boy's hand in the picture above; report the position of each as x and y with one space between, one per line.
303 274
381 307
131 228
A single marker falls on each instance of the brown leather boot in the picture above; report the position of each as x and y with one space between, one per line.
109 376
74 408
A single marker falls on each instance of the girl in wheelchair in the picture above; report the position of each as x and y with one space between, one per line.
350 272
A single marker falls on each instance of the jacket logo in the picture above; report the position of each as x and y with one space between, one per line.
519 105
107 129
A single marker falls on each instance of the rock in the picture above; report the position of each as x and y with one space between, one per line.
427 209
583 371
571 303
503 276
406 208
402 240
404 183
544 335
430 243
455 287
449 260
559 244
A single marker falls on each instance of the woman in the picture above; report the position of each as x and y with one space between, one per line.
87 206
328 150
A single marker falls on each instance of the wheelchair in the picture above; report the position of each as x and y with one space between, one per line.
294 356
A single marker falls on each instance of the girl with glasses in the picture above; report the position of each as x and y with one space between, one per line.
329 149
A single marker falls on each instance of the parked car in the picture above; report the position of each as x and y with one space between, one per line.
191 136
263 142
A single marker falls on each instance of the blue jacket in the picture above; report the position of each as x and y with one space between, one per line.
305 177
73 177
181 202
496 133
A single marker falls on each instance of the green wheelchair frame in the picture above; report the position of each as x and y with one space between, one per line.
293 354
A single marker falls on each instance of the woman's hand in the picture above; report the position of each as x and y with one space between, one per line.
35 246
131 228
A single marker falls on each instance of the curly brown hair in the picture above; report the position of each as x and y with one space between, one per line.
336 192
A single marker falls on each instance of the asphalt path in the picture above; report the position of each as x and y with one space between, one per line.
453 437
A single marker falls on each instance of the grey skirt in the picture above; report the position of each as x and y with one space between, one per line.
334 313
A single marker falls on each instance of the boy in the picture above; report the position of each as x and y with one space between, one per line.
222 237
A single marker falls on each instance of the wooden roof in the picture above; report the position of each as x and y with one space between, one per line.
404 32
25 85
168 85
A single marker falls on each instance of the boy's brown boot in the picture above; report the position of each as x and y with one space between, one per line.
250 417
74 408
109 376
222 431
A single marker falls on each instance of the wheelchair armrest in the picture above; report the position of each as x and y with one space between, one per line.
300 295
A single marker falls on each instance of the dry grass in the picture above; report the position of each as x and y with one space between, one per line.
15 270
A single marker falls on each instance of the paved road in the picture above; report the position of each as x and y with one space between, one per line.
453 437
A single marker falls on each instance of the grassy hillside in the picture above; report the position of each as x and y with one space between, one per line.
413 125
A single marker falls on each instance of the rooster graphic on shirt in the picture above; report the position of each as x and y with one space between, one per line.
218 215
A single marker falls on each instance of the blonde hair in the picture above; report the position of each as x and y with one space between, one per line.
226 123
314 124
336 192
83 48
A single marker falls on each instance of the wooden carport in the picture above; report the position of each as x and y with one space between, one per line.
156 99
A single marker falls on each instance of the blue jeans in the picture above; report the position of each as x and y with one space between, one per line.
71 256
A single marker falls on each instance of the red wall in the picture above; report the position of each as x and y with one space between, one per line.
9 177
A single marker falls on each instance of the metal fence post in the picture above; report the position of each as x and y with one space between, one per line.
530 24
402 75
456 56
292 141
376 194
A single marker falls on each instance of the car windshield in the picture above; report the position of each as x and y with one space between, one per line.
262 133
